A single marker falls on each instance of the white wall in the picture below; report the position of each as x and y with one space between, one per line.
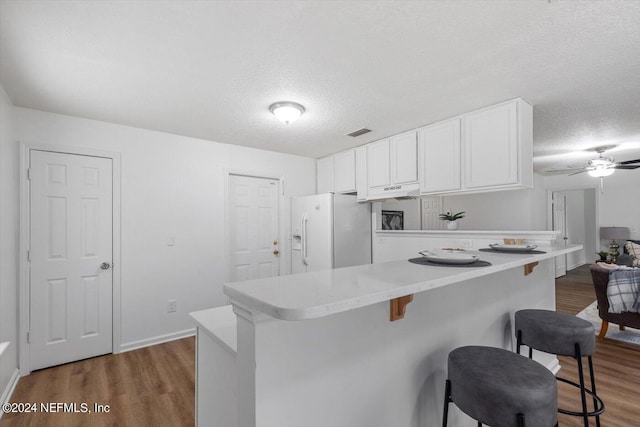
171 186
8 242
618 205
502 210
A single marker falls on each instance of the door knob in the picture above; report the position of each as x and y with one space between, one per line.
275 242
105 266
276 252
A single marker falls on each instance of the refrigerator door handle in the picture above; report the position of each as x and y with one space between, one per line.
305 220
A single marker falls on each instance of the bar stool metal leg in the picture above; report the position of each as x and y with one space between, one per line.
593 388
583 395
447 400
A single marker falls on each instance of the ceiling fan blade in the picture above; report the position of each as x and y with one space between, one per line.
627 167
576 173
629 162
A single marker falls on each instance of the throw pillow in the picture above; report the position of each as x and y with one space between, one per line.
633 249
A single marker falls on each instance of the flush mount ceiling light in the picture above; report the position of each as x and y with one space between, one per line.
287 111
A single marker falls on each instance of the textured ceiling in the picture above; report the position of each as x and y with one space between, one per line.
211 69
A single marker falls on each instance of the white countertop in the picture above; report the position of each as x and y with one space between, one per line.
499 233
323 293
221 324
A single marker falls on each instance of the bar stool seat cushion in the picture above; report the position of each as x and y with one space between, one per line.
493 386
555 333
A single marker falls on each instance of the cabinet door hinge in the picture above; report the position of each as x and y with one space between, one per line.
28 337
29 174
28 256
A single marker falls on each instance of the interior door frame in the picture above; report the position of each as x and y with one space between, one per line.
25 238
594 187
282 220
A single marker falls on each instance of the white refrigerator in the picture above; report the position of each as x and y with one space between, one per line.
329 231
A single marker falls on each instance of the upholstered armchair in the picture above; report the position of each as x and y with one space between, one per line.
600 276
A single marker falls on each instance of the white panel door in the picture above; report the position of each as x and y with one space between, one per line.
70 258
431 210
253 227
560 224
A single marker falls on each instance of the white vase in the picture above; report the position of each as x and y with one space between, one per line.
452 225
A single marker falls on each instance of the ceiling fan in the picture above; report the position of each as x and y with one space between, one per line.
605 166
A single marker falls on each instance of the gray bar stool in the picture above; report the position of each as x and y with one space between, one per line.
564 335
500 388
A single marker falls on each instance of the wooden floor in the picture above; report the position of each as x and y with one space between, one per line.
616 364
154 386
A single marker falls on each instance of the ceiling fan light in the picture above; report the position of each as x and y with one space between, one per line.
601 171
287 112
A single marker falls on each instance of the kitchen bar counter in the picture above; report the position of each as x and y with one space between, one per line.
323 293
320 349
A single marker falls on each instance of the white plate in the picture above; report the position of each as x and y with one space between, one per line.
512 248
448 257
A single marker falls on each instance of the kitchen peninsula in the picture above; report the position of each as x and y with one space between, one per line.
319 349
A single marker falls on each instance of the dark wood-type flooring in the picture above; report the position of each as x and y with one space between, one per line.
150 387
154 386
616 364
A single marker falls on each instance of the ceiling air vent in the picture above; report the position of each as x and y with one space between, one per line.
359 132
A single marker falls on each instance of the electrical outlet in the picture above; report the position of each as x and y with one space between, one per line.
172 306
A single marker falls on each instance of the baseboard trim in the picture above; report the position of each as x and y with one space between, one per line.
554 366
135 345
8 391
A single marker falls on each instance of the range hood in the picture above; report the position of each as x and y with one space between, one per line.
397 191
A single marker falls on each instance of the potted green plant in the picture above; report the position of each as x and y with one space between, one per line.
452 219
603 255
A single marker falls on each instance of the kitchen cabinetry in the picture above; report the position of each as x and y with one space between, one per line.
497 145
440 157
337 173
486 150
361 173
324 175
344 171
392 167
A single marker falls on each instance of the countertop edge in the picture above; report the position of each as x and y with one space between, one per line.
322 310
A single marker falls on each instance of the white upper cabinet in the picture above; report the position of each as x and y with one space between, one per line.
486 150
324 175
392 167
439 157
491 146
337 173
344 171
361 173
404 158
378 170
